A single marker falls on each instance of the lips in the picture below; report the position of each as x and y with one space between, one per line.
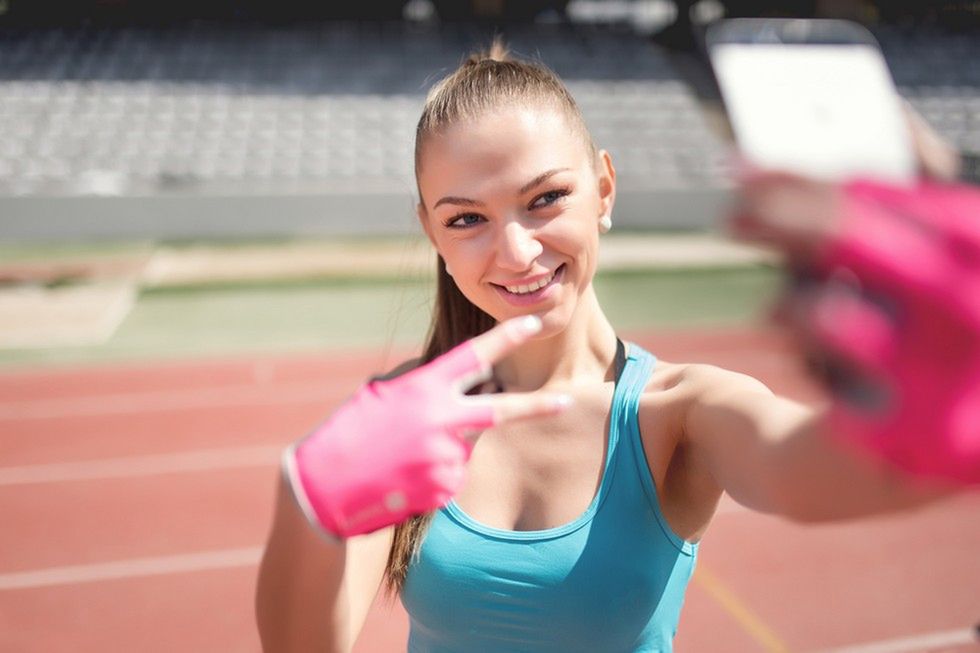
523 289
533 292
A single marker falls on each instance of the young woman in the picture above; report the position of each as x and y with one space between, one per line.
576 530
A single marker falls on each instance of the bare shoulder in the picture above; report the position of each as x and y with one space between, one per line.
676 385
700 380
676 390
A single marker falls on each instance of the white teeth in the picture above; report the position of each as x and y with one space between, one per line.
523 290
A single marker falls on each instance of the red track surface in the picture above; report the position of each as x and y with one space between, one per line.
135 501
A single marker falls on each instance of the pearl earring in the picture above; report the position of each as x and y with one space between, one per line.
605 224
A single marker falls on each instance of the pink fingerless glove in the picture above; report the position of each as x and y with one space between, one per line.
915 326
394 449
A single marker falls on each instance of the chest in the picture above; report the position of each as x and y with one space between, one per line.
539 474
544 473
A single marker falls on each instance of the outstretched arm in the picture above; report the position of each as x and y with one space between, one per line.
883 293
776 455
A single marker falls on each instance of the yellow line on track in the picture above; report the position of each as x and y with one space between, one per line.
746 618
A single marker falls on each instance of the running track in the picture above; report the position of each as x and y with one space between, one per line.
135 500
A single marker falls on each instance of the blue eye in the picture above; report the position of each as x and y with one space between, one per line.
549 198
463 220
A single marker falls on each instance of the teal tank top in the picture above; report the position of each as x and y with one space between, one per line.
611 581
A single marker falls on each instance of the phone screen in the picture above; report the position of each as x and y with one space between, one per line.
822 110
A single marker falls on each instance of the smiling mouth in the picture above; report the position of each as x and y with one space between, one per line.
530 289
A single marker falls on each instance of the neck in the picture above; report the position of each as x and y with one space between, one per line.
582 352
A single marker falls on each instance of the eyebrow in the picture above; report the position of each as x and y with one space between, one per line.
462 201
537 181
540 179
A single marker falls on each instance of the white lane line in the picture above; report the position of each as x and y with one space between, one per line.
138 466
131 568
143 402
915 643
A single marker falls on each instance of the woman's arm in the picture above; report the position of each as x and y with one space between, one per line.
314 594
776 455
884 296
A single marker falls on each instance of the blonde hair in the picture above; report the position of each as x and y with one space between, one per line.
490 80
484 82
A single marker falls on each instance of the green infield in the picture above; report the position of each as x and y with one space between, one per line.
319 315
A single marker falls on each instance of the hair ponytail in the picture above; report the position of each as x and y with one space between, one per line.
455 319
497 52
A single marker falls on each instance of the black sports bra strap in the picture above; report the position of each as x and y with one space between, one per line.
619 363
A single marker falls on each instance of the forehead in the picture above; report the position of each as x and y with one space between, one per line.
505 147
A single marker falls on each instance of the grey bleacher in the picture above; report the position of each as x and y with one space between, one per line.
233 130
237 129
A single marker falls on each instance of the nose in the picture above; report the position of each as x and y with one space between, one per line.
517 247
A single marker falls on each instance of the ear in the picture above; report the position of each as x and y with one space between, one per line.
607 183
423 217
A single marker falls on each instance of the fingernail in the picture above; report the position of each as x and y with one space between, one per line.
562 401
530 324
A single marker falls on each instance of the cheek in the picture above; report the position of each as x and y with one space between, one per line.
465 257
578 240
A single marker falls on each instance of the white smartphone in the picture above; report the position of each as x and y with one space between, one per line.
812 97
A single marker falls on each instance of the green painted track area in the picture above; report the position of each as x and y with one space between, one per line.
331 315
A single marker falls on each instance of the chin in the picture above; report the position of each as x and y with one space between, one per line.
553 321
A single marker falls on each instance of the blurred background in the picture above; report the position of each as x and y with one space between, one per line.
207 238
128 118
145 130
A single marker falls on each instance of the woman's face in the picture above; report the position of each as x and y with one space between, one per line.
512 203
